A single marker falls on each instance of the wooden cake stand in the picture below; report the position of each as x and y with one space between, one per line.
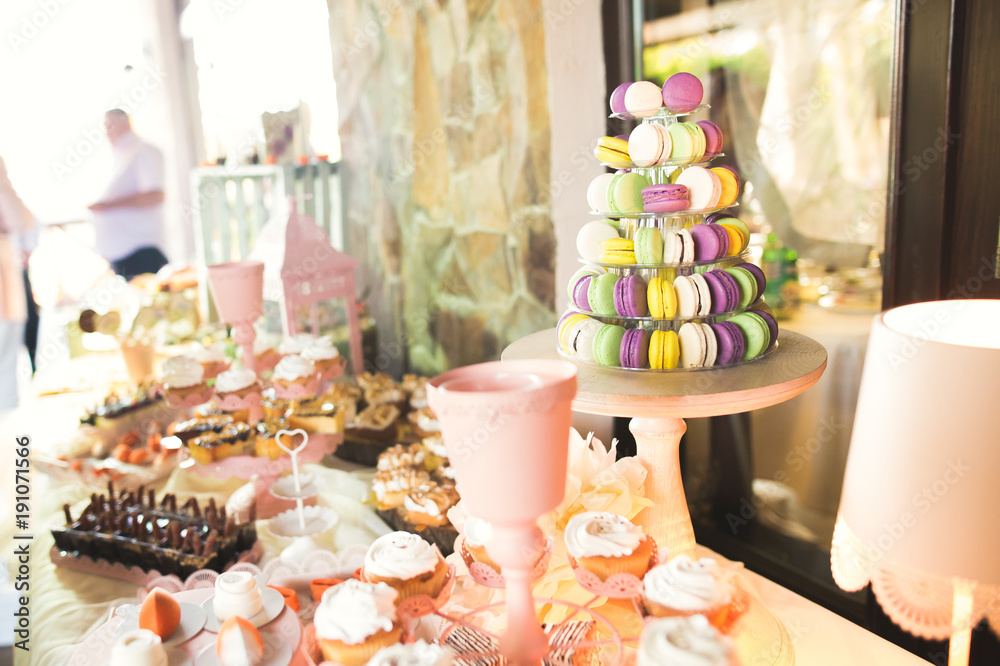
658 403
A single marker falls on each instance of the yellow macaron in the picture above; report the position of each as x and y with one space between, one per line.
618 251
612 150
661 299
664 350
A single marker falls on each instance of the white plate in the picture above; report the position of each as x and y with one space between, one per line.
274 603
277 652
175 657
192 620
284 488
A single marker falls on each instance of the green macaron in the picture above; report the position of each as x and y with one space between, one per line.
648 246
747 284
601 295
625 193
755 333
607 345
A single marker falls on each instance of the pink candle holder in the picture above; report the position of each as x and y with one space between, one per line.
334 371
238 291
506 427
487 576
189 401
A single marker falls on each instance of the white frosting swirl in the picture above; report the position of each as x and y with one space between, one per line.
234 379
320 349
182 372
688 585
214 353
293 367
401 555
296 344
140 647
413 654
478 532
601 534
683 641
353 610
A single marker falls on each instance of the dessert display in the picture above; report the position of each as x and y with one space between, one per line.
664 280
136 531
355 620
684 640
119 413
239 643
606 544
406 563
686 587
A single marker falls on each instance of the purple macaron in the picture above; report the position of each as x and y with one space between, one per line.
630 296
758 276
665 198
682 92
710 242
713 136
724 290
635 348
730 342
618 98
580 290
772 325
712 218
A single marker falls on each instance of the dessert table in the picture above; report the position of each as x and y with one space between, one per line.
658 402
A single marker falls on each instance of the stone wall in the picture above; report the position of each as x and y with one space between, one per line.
446 154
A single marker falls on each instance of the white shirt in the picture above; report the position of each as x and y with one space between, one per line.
138 168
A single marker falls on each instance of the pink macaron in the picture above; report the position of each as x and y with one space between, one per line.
682 93
665 198
713 136
710 242
618 98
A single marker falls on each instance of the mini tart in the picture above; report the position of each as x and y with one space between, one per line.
198 426
345 654
386 394
274 407
400 456
376 423
235 439
428 505
266 442
637 563
317 416
183 392
391 486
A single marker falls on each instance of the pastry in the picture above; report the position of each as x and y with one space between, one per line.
698 345
618 251
723 291
758 275
233 440
693 296
355 620
317 415
736 224
265 355
597 193
772 326
611 150
295 344
648 243
138 648
428 504
607 544
730 186
415 386
236 594
386 394
625 193
704 187
238 643
729 341
607 345
661 299
711 242
665 198
590 237
581 339
294 370
756 334
630 296
649 144
413 654
183 376
240 382
713 137
643 99
678 247
635 348
682 93
213 359
160 613
375 423
324 355
684 640
478 533
266 439
198 426
601 294
391 486
401 456
747 284
664 350
369 379
407 563
684 587
687 144
318 586
617 100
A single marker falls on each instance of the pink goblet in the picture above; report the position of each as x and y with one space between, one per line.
238 291
506 428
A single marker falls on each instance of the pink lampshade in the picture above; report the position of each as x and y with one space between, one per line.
922 482
237 289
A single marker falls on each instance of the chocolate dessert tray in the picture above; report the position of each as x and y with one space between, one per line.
133 538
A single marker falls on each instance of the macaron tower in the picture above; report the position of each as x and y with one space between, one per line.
666 285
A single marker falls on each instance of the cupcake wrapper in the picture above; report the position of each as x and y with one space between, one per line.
358 655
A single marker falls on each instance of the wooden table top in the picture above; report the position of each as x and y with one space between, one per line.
793 367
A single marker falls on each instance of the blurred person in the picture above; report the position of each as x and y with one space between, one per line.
15 218
128 218
28 243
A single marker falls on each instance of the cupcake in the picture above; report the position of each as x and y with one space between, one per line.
478 533
407 563
239 643
183 376
138 648
240 382
213 359
413 654
684 640
294 370
354 620
683 587
265 354
416 387
322 353
425 422
266 442
606 544
296 344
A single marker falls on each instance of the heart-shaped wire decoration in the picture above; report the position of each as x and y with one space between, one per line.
292 433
